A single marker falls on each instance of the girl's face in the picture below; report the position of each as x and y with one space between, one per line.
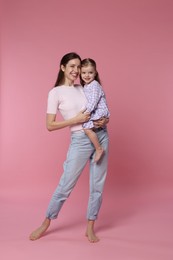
71 71
88 74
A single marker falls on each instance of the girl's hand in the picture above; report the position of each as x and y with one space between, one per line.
101 122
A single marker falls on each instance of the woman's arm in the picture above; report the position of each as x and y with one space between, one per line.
52 124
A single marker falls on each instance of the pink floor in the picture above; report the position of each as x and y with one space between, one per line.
133 225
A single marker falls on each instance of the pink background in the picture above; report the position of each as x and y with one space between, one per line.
131 42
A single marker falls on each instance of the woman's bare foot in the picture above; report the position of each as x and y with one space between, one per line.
98 154
36 234
90 234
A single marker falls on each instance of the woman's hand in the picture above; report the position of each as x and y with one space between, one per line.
82 117
52 124
101 122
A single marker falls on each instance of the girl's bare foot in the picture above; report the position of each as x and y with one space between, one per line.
36 234
90 234
98 154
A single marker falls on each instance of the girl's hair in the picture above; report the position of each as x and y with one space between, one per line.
91 62
65 59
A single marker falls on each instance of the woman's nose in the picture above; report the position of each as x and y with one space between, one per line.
76 69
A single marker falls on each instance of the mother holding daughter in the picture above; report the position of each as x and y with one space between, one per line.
68 98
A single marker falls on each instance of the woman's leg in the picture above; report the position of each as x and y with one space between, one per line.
90 233
78 154
40 230
98 174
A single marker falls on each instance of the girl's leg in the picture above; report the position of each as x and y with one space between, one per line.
79 152
98 174
98 148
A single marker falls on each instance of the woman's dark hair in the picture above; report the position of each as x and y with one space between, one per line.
91 62
65 59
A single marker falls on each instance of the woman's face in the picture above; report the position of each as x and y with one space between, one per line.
71 71
88 73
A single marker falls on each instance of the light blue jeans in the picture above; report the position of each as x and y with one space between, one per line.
80 151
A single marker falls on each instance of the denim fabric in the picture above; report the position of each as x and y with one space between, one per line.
80 151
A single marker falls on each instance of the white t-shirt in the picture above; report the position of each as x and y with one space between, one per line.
68 100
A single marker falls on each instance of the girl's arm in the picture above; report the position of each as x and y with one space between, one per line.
101 122
52 124
93 96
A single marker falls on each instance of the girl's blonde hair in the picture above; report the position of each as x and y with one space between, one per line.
91 62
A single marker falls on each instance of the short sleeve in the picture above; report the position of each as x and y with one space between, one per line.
52 102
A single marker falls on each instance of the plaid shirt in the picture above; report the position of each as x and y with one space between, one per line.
96 103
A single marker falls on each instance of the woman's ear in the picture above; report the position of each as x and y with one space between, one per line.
62 68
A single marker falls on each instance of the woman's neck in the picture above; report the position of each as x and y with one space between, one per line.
69 83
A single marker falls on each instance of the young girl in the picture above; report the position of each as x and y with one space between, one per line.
96 105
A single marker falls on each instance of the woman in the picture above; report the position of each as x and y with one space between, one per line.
69 99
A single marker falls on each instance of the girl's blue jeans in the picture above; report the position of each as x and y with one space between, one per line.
80 151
